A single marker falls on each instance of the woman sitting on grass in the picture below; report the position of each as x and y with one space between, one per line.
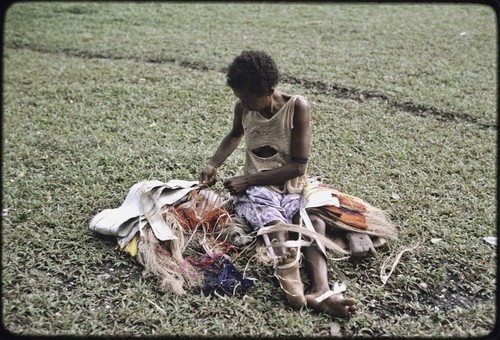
277 140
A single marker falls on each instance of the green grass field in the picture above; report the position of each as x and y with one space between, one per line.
99 96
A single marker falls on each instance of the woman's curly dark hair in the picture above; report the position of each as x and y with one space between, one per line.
255 70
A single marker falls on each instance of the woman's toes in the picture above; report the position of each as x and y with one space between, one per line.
336 305
349 302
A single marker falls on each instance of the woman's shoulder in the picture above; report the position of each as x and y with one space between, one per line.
297 99
300 111
300 103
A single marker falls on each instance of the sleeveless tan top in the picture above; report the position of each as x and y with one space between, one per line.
275 132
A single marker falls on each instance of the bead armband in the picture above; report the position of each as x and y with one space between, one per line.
299 160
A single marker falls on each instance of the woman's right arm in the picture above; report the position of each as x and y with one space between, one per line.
226 147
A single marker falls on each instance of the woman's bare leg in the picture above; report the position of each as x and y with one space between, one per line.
287 270
316 265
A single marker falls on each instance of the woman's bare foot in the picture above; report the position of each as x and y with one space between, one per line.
288 274
335 305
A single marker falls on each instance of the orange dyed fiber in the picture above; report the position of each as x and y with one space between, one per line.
350 217
346 201
351 211
190 220
350 203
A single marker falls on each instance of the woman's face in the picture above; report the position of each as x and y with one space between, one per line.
252 101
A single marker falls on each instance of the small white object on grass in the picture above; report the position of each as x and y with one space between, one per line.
423 285
334 329
395 196
491 240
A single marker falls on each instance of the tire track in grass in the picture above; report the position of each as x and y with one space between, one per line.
318 86
409 107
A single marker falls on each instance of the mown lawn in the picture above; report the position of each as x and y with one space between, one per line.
98 96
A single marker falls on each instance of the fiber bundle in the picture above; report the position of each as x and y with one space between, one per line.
352 214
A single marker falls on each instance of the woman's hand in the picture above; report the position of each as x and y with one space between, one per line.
236 185
208 176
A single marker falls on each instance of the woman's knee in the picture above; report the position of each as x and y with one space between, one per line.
318 224
280 236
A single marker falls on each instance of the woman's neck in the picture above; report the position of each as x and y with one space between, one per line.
275 104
